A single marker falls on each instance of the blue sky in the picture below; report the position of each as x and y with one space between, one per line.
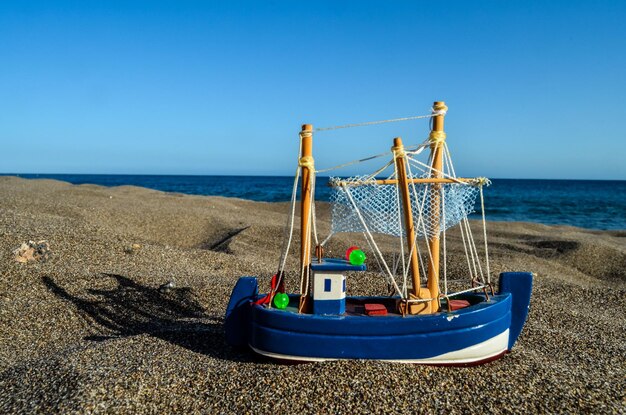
535 89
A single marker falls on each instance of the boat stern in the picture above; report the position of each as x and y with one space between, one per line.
519 285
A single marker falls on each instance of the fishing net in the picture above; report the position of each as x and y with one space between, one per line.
379 209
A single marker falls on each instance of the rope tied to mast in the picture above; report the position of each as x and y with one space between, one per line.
307 161
398 152
436 138
439 110
483 181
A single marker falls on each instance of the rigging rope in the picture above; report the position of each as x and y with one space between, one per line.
352 162
289 229
305 271
482 209
443 211
414 151
420 219
358 212
467 255
399 209
363 124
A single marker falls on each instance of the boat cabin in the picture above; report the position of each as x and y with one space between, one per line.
329 285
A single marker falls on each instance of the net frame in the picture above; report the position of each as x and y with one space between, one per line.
378 206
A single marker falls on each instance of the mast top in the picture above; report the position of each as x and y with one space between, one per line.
397 144
439 106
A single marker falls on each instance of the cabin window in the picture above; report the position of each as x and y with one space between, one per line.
344 285
327 285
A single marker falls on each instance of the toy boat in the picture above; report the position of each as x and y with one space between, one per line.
419 320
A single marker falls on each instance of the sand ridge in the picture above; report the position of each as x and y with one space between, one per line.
89 331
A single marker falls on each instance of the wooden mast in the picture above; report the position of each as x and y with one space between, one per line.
437 140
306 163
403 184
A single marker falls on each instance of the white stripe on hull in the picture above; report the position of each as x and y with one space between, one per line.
482 351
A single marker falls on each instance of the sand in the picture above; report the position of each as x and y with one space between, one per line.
89 330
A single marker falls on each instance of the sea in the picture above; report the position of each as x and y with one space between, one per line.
592 204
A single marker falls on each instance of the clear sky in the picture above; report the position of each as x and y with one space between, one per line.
536 89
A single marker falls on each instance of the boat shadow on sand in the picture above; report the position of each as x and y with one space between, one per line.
132 309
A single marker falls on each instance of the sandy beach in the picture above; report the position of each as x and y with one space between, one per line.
126 314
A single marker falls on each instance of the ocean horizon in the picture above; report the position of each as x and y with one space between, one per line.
592 204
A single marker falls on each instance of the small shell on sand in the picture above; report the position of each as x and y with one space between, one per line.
32 251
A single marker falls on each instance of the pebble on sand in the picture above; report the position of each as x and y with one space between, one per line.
132 248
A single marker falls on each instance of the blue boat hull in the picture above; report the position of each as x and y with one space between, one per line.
481 332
